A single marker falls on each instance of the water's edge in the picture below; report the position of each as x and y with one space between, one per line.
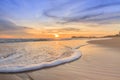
77 54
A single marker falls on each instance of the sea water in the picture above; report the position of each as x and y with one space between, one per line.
25 56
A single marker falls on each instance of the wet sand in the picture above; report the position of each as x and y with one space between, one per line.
97 63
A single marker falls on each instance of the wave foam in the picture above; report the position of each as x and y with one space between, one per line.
76 54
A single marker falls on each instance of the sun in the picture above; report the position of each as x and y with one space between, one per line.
56 35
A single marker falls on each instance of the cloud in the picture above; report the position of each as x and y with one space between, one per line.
8 27
102 4
62 30
70 29
91 11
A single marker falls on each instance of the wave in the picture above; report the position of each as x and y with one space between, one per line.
17 68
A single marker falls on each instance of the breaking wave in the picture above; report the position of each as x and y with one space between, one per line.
19 58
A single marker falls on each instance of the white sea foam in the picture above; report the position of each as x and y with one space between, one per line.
8 68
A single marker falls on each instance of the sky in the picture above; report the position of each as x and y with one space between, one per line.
44 18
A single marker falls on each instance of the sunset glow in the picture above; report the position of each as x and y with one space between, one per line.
47 18
56 35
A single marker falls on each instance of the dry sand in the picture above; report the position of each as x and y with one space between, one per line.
97 63
113 42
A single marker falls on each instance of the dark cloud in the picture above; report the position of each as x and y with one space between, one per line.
6 25
10 28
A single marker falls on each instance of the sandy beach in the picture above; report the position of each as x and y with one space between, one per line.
100 61
113 42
